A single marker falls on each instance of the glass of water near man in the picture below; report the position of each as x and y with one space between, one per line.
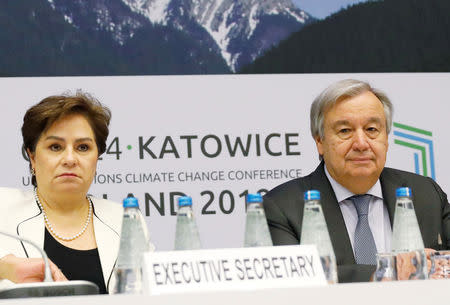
412 265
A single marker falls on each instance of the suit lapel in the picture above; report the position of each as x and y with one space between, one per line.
388 187
32 227
107 243
333 216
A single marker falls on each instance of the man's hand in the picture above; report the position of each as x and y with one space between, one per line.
26 270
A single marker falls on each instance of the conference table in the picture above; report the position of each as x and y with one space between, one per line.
402 292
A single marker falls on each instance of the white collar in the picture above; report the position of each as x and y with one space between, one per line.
342 193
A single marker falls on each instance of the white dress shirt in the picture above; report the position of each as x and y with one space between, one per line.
379 221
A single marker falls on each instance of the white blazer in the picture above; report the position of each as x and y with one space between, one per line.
20 215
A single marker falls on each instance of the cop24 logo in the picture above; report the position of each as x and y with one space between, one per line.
274 144
421 143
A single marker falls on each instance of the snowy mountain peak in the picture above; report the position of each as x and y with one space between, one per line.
228 22
154 10
238 30
231 21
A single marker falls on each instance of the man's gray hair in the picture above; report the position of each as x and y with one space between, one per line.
344 89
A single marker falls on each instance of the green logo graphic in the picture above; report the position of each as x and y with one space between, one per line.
420 141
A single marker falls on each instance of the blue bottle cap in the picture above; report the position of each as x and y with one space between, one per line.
184 201
130 202
312 195
403 192
252 198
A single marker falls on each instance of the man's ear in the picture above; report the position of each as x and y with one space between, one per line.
319 145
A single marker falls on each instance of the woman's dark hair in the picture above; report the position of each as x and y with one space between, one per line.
41 116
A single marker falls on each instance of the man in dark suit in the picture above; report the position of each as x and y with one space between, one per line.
350 123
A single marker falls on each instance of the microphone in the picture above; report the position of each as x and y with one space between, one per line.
48 287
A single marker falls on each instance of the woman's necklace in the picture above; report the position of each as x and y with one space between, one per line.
50 227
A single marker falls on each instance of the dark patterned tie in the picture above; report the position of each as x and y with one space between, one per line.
365 248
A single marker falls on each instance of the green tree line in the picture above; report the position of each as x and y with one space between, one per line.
376 36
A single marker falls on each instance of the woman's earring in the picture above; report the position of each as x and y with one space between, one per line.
32 172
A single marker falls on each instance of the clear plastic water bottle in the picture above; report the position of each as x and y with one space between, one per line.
133 243
186 235
256 229
407 240
315 232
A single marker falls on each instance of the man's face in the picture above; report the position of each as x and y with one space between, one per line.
355 141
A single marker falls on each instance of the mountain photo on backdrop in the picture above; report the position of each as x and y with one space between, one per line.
183 37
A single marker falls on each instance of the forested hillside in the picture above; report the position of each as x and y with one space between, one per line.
376 36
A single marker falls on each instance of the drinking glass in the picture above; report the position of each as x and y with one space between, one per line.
411 265
386 268
440 265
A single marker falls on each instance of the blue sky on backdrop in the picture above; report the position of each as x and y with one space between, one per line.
323 8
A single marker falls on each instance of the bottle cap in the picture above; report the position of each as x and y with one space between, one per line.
184 201
130 202
312 195
403 192
252 198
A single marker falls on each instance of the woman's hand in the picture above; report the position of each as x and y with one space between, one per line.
25 270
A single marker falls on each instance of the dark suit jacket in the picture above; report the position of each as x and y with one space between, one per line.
284 211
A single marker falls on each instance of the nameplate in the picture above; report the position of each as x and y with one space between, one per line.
232 269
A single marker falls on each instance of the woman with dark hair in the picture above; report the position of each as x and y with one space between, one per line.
63 137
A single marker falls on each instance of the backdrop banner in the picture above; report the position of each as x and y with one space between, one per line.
217 138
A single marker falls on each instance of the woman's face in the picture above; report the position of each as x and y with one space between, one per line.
66 157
